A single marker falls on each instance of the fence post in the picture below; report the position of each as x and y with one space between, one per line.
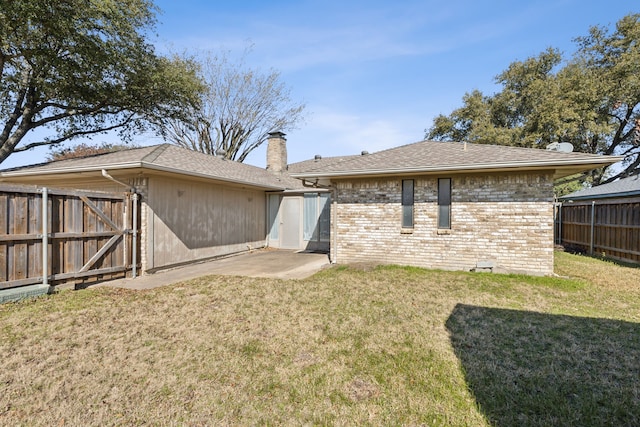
593 222
45 237
560 223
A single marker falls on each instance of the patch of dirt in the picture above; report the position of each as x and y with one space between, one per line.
359 390
304 359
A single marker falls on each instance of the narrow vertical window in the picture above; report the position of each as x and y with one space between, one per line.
324 223
444 203
310 217
274 223
407 203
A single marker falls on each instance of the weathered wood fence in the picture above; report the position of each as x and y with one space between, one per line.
604 227
55 236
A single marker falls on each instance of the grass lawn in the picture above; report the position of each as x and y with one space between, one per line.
348 346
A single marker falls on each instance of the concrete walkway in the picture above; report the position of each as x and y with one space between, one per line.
278 264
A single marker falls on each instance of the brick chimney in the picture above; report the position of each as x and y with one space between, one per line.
276 152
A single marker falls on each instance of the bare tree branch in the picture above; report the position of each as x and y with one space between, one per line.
239 109
72 135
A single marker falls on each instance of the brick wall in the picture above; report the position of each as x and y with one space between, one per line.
506 220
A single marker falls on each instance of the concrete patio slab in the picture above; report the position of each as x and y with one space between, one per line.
280 264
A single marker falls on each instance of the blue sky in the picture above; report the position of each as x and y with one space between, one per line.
374 74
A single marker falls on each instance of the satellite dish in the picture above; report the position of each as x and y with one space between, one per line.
564 147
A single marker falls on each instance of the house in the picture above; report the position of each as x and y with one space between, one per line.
196 206
603 220
447 205
432 204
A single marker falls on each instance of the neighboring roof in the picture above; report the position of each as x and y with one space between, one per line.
624 187
435 157
164 158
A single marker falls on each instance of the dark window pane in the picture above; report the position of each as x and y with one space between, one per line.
444 203
324 224
407 192
407 203
407 216
444 191
444 216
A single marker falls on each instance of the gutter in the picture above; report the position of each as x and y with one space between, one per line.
202 175
448 168
70 169
134 165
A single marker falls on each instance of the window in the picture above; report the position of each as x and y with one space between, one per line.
274 223
316 217
407 203
324 222
310 217
444 203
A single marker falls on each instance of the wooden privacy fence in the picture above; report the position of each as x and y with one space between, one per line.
55 236
602 227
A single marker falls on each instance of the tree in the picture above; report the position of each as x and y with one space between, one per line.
75 68
237 111
591 100
84 150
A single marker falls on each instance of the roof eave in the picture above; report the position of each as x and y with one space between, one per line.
135 165
205 176
585 164
53 171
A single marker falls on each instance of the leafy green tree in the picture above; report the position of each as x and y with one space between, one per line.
570 184
591 100
76 68
237 110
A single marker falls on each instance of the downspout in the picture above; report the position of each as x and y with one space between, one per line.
117 181
134 248
593 223
134 267
306 183
334 233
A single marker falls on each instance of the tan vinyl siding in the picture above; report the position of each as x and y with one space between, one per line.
192 220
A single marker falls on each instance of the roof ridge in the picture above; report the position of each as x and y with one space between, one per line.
153 155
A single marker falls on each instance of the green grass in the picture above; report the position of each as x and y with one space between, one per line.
386 346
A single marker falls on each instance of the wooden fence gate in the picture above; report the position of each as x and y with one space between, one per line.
56 236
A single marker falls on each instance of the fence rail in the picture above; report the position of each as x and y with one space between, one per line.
55 236
601 227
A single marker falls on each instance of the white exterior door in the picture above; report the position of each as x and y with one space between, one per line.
290 223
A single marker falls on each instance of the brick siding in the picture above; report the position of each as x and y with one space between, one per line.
505 220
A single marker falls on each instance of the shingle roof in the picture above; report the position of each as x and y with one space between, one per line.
432 156
168 158
624 187
317 163
420 157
